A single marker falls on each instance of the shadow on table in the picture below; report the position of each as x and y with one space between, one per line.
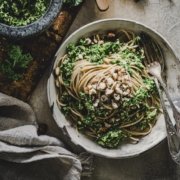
155 164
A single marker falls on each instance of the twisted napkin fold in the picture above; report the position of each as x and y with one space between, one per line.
20 143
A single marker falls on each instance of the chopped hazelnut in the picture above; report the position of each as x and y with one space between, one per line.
92 91
109 91
118 90
114 105
94 86
127 92
89 87
110 81
101 86
104 98
116 96
96 103
115 76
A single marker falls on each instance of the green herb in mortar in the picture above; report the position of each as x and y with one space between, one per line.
21 12
73 2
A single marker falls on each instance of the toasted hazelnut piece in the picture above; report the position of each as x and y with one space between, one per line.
110 81
119 73
112 71
115 76
118 90
124 85
114 105
101 86
117 97
94 86
104 98
127 92
96 103
126 77
92 91
119 78
89 86
109 91
57 71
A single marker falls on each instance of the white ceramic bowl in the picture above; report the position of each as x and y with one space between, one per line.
158 132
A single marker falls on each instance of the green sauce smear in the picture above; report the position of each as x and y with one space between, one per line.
21 12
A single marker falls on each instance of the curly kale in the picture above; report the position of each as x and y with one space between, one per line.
111 139
16 63
142 93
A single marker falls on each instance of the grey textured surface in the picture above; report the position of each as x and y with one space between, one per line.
155 164
34 28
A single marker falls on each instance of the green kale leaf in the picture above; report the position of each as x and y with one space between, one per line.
16 63
111 139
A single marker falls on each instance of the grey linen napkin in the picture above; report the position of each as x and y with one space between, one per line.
20 143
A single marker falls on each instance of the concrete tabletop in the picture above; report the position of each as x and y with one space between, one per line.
164 17
156 164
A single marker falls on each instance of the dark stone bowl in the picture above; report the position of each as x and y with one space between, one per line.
36 27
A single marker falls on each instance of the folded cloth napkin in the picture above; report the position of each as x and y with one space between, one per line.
20 143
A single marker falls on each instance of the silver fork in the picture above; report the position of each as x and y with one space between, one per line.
173 134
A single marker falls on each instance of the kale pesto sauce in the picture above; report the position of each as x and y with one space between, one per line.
22 12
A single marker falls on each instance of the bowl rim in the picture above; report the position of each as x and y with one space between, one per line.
35 27
166 44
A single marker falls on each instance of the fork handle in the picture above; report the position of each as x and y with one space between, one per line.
172 136
176 113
